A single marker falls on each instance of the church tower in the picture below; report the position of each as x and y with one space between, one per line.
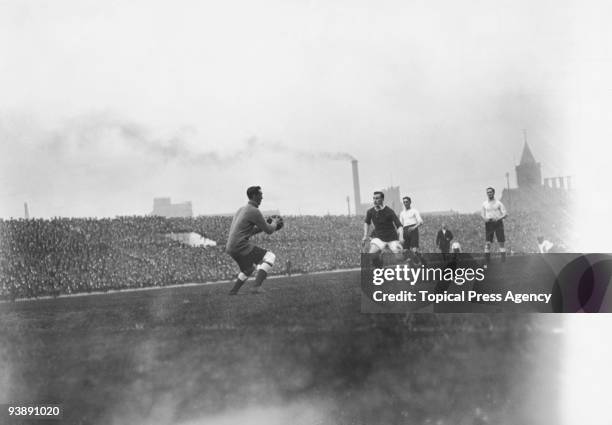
528 172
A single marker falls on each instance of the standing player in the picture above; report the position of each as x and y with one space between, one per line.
411 221
387 227
493 213
247 222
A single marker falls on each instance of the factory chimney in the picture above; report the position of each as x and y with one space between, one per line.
356 188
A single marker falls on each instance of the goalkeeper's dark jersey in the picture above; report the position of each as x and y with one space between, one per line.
385 223
247 221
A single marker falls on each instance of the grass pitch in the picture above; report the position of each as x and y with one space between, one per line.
301 353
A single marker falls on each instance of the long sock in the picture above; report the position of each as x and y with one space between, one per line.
242 277
421 258
261 276
237 285
487 257
503 255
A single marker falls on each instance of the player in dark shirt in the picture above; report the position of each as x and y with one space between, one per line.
247 222
387 227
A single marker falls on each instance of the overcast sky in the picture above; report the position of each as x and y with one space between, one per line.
105 105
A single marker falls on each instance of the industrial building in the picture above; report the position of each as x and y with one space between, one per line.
392 194
165 208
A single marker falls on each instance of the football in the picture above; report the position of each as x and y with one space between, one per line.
281 223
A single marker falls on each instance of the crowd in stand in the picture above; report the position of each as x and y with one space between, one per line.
69 255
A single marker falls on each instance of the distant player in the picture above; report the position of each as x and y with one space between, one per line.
247 222
544 245
411 221
387 227
493 213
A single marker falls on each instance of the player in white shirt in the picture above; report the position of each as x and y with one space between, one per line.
493 213
411 221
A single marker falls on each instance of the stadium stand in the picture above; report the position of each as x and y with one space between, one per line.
40 257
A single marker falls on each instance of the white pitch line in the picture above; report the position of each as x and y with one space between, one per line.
177 285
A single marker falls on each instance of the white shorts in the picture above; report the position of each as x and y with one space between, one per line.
394 246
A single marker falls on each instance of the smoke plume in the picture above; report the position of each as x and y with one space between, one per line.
104 134
109 135
299 153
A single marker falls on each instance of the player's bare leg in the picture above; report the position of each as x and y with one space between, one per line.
262 271
240 280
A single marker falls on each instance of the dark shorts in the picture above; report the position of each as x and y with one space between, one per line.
495 228
245 262
411 239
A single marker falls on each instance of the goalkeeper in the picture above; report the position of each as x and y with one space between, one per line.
247 222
